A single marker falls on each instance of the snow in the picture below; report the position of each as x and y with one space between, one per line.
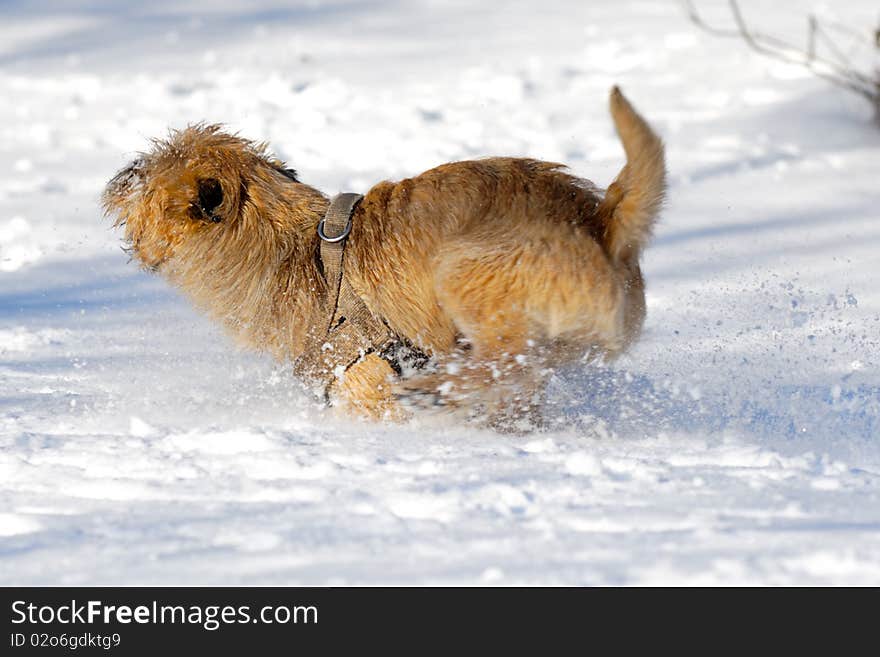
738 443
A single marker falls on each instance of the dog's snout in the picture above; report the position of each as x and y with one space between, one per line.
122 182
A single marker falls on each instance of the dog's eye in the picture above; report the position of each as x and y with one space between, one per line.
210 196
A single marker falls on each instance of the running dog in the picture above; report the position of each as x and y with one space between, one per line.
481 276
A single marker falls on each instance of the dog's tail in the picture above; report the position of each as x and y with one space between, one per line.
633 200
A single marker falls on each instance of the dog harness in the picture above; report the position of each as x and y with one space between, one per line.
351 330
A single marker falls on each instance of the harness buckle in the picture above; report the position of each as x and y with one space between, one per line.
337 238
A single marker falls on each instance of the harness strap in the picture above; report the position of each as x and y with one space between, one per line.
333 230
351 330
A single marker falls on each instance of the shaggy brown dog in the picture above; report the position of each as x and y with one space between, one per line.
497 269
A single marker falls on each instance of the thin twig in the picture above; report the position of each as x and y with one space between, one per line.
694 15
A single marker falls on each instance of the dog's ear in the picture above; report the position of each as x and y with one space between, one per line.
287 172
209 199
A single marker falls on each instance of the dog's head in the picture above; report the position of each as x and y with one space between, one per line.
195 188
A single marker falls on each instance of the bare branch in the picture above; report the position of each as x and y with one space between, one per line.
779 49
838 70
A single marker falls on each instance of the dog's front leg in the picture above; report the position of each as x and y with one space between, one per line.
366 388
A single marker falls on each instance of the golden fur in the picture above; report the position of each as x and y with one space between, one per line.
498 268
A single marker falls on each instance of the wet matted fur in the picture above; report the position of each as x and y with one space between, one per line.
500 269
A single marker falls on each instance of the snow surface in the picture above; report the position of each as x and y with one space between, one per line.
738 443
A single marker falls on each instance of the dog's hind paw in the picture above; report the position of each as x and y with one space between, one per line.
419 399
422 392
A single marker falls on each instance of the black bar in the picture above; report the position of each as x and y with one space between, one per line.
415 620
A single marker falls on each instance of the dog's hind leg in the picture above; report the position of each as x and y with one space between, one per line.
503 393
499 375
516 302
